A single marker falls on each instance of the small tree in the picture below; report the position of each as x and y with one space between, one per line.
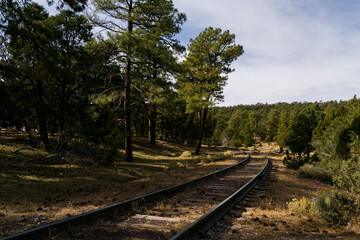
206 67
300 136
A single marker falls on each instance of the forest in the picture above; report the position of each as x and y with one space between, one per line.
67 87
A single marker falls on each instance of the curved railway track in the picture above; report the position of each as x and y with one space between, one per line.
183 211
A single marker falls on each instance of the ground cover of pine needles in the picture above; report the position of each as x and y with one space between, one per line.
36 189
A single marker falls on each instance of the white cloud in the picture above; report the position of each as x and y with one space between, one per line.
294 50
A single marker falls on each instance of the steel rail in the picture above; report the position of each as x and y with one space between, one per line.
43 232
195 229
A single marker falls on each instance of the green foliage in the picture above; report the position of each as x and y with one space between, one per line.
347 175
236 143
300 136
248 141
315 172
205 72
294 161
271 126
207 65
283 128
336 208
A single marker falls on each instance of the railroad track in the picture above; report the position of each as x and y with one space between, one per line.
231 225
193 206
252 189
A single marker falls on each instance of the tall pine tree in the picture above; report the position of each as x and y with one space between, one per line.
207 65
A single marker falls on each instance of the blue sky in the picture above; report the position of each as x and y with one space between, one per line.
295 50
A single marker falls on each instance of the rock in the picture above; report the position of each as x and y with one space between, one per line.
21 220
37 219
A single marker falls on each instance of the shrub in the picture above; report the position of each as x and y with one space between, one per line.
303 206
186 154
236 143
314 172
336 207
249 141
293 161
229 153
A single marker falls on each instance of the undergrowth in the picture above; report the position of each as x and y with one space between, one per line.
318 173
303 206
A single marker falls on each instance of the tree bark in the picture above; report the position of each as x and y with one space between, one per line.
62 109
41 113
152 123
28 129
202 120
128 141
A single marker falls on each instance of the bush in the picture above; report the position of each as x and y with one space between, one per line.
249 141
303 206
186 154
229 153
336 207
293 161
236 143
314 172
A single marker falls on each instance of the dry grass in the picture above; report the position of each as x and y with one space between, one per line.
52 190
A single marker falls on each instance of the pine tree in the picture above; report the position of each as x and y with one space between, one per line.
131 22
207 65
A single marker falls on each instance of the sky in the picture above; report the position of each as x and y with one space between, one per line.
295 50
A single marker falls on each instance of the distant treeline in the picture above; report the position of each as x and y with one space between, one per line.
242 125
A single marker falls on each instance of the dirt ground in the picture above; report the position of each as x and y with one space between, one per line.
270 218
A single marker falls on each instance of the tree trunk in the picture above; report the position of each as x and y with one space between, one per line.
152 123
128 142
28 129
202 120
62 109
167 130
41 113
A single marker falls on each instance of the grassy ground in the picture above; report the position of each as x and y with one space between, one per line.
36 191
